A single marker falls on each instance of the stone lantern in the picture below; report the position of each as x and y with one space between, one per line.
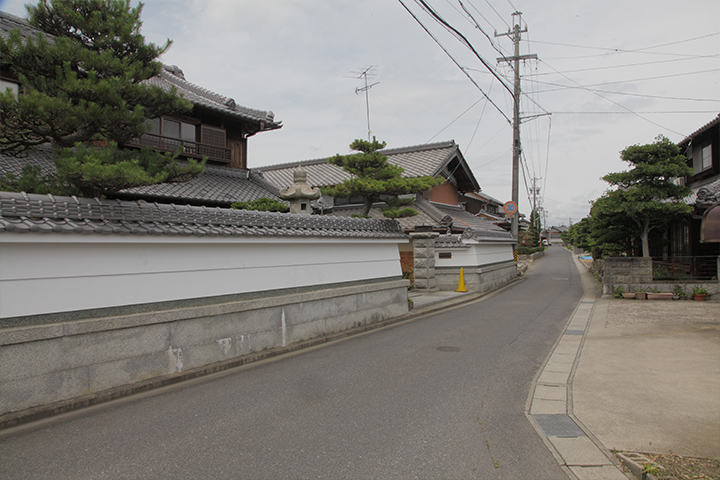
300 193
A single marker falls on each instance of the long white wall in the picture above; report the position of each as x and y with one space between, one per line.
47 273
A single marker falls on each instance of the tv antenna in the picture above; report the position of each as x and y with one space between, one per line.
368 72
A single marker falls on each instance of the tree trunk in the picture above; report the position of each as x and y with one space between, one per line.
644 234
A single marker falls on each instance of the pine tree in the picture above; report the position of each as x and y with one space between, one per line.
647 196
86 86
374 177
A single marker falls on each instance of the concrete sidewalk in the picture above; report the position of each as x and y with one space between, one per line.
640 376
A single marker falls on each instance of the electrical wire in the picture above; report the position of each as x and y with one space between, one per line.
455 120
454 61
463 40
634 80
641 50
633 65
619 105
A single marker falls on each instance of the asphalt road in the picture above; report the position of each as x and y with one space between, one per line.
441 396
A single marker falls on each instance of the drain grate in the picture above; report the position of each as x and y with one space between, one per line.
574 332
558 426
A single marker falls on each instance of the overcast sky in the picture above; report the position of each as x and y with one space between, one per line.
612 73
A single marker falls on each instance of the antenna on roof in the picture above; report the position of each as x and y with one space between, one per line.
368 72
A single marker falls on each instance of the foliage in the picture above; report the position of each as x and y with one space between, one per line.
679 290
262 205
97 171
700 290
32 180
393 213
87 85
618 292
529 250
647 196
374 178
534 232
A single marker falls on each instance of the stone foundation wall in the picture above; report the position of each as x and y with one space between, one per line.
46 363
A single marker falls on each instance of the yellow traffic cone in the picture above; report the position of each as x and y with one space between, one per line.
461 284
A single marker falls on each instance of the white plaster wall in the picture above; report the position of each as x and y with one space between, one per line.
59 273
476 255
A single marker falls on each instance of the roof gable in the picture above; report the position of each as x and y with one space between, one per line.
416 161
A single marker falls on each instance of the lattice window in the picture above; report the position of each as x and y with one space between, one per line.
212 136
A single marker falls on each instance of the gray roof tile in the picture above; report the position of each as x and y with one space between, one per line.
417 161
217 186
23 213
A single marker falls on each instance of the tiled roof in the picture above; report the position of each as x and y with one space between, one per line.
450 241
712 185
23 213
217 186
172 76
437 214
484 197
9 22
481 228
416 161
697 132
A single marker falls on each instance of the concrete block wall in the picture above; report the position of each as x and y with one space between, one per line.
626 270
477 279
48 363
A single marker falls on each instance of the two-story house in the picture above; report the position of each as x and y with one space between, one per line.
217 128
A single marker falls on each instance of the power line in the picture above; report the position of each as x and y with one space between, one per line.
633 64
454 61
463 40
632 80
641 50
619 105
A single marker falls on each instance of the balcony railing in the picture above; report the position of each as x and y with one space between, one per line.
685 268
189 149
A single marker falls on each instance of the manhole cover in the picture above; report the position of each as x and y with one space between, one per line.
448 349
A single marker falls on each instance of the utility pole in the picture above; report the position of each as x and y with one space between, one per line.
516 34
364 74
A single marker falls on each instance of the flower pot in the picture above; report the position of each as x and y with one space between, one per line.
700 298
629 296
640 295
659 296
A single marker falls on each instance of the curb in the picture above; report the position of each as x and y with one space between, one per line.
549 407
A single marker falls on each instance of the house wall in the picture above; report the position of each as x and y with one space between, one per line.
485 266
446 193
86 314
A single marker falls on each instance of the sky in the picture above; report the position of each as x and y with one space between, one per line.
608 74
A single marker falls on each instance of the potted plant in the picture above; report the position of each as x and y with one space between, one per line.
619 292
679 292
700 293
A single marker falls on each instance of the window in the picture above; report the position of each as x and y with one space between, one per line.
167 127
706 157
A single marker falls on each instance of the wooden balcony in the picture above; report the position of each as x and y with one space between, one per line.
189 149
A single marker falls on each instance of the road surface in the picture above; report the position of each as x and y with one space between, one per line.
441 396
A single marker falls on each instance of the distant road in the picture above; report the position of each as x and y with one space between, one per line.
439 397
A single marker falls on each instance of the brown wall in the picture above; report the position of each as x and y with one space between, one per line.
238 152
446 193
